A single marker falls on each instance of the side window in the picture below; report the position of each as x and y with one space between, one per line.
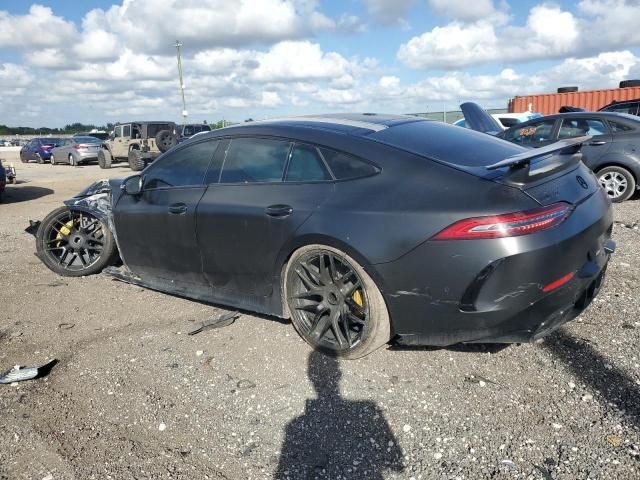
345 166
180 168
188 131
618 127
532 133
117 132
578 127
252 160
126 131
306 165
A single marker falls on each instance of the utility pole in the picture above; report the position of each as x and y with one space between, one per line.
184 103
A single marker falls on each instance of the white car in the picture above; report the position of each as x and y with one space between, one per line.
506 120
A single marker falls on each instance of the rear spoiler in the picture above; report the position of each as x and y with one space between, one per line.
569 145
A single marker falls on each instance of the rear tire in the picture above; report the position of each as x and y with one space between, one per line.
72 160
136 162
39 159
104 158
337 309
52 160
618 183
73 243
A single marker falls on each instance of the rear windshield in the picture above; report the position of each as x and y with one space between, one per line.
447 143
86 140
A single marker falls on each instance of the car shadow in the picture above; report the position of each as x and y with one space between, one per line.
597 373
336 437
17 194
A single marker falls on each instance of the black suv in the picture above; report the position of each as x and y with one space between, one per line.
613 152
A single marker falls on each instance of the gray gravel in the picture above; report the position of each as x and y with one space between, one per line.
134 396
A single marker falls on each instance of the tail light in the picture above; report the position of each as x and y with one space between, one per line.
80 146
47 147
507 225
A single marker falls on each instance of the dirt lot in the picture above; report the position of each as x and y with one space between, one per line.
133 396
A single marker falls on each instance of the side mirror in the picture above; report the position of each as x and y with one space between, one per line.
132 185
112 136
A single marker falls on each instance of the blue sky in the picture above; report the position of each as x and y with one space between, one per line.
91 61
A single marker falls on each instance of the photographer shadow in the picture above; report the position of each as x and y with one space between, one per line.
336 437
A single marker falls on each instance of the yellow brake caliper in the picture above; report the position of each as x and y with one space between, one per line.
357 297
64 230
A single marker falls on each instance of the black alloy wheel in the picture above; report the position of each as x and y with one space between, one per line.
334 305
74 243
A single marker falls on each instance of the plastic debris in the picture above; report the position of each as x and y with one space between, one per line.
20 374
614 440
218 321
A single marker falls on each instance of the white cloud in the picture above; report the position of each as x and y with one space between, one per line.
14 79
549 33
39 28
464 10
209 23
389 12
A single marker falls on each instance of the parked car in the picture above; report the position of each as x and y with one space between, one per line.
188 130
632 107
360 228
137 142
4 143
613 152
76 150
3 180
38 149
505 120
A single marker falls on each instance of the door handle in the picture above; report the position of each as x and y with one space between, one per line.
278 210
178 209
597 142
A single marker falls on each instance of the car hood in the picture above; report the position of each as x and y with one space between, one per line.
101 186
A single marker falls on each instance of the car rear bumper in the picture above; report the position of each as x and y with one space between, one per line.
450 292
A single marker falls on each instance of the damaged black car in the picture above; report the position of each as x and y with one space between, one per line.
360 228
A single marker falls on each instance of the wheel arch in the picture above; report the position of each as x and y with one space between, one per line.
632 165
319 239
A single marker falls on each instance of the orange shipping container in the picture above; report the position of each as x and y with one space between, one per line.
548 103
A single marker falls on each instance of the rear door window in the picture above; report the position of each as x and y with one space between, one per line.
253 160
578 127
182 167
306 165
345 166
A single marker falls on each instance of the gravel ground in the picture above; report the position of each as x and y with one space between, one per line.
133 396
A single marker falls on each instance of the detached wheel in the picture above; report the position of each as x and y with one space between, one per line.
104 158
334 304
165 139
136 162
73 243
618 182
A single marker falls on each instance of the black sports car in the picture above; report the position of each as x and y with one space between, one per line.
361 228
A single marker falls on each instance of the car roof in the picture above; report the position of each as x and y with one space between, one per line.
351 123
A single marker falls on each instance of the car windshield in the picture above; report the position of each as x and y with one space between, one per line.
154 128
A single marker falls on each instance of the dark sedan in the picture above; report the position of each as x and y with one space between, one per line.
360 228
39 149
613 151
